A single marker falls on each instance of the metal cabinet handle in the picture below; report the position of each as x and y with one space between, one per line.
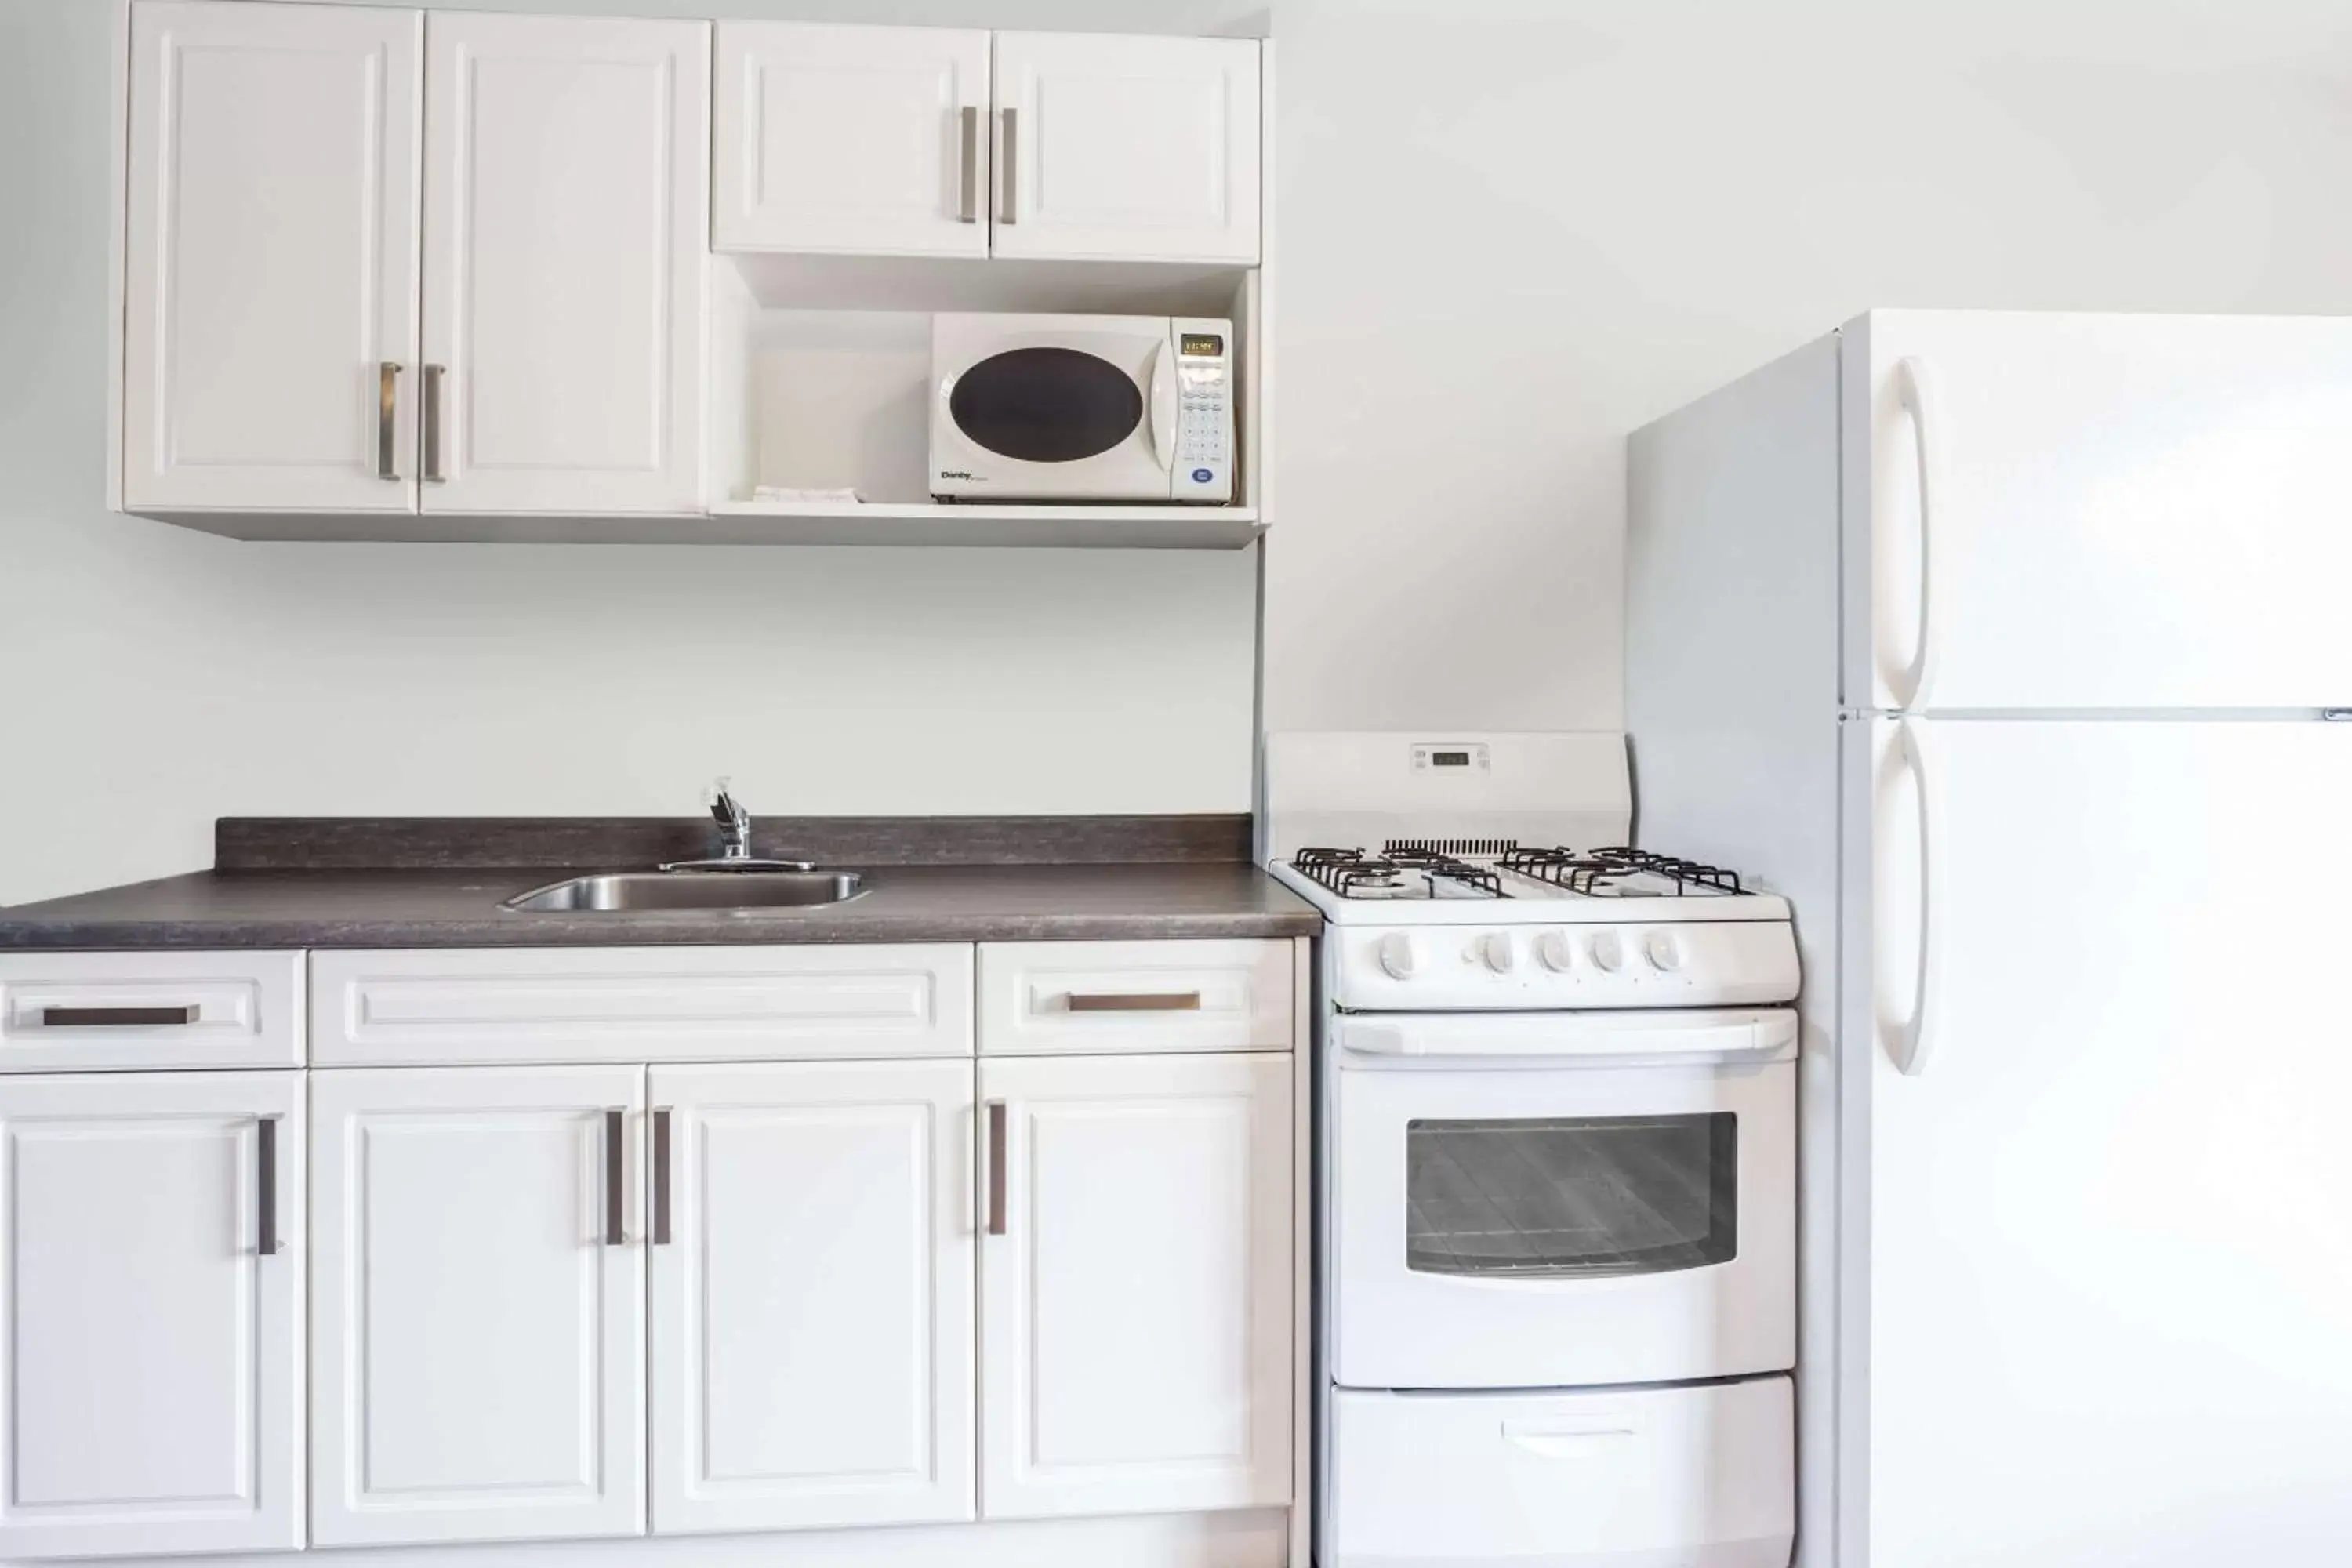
1007 156
431 467
265 1186
387 418
116 1017
1135 1001
968 207
661 1177
614 1236
996 1167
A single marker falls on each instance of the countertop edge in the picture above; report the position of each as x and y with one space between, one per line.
46 936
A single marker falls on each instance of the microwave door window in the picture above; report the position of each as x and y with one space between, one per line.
1571 1196
1047 404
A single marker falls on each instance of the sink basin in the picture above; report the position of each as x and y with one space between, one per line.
617 892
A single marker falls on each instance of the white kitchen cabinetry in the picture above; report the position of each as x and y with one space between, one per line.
1114 147
566 205
478 1324
861 140
270 251
812 1254
1135 1284
151 1279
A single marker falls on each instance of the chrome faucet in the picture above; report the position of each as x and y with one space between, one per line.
734 839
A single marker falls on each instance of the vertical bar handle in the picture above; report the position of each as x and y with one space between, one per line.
615 1151
1916 386
1008 161
1910 1040
430 471
264 1187
387 420
968 205
996 1167
661 1177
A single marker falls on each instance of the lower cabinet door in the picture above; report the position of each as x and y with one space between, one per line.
477 1302
1135 1284
151 1279
812 1254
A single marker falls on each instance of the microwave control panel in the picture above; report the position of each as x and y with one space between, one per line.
1203 469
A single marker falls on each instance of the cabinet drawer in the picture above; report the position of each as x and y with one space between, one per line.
638 1003
1097 997
64 1012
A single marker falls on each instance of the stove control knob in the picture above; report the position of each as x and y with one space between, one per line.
1496 948
1663 952
1400 954
1608 951
1557 950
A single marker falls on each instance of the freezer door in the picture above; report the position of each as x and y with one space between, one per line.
2120 511
2096 1270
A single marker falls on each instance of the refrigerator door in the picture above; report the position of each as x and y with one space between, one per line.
2120 511
2096 1256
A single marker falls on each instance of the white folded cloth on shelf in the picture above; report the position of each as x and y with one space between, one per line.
786 492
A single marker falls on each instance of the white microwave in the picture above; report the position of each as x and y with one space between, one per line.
1079 408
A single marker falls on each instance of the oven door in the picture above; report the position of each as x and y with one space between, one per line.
1053 407
1532 1200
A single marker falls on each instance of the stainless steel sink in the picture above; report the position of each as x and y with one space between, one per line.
712 892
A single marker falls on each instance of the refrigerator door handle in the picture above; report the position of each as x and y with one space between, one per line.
1914 383
1910 1042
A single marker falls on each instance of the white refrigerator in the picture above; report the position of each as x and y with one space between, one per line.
2015 648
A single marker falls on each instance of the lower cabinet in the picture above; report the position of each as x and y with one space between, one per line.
1135 1285
812 1254
477 1305
151 1279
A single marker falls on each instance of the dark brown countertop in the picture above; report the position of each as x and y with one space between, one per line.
458 908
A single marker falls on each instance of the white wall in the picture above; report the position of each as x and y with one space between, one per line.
1509 234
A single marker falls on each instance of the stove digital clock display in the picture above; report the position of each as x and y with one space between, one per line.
1449 759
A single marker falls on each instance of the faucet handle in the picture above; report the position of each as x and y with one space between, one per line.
725 810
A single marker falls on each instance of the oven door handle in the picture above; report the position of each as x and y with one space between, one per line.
1571 1037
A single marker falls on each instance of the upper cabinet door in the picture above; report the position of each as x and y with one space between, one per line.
270 257
567 209
2120 511
1135 1284
150 1285
811 1295
1126 147
478 1308
870 140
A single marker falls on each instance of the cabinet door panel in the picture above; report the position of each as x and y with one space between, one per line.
566 165
477 1339
851 139
151 1369
1132 147
270 255
812 1313
1136 1311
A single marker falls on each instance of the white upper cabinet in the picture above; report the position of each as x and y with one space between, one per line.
566 210
870 140
1135 1284
478 1320
269 327
1114 147
151 1290
812 1246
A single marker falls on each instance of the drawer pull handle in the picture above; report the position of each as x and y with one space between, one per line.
1135 1001
613 1234
996 1167
661 1177
116 1017
265 1186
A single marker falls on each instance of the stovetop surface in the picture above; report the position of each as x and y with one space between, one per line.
1501 880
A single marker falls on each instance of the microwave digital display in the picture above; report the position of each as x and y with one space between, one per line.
1200 343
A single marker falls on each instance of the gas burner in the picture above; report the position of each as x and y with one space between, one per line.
1605 872
1401 871
1351 873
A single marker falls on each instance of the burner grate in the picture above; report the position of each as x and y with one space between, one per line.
1413 853
1599 871
1351 873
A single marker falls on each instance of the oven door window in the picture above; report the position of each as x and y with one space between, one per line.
1047 404
1559 1196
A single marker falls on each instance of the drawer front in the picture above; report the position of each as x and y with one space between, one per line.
1699 1476
69 1012
1038 998
391 1008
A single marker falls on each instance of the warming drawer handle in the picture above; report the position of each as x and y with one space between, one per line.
117 1017
1135 1000
1568 1439
1569 1041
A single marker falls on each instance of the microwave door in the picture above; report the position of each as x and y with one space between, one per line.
1054 414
